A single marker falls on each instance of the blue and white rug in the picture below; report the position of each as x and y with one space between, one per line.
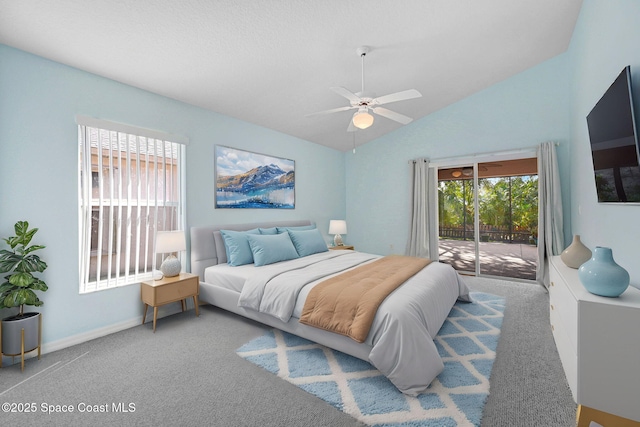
467 343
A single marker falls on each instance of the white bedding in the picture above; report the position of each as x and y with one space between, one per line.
275 288
404 327
229 277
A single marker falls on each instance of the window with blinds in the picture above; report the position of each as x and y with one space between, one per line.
130 187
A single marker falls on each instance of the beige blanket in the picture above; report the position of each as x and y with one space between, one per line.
346 304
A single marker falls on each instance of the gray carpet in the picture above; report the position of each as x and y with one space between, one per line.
528 385
188 373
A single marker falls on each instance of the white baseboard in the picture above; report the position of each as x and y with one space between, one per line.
89 335
95 333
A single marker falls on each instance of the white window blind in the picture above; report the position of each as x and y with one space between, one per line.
130 187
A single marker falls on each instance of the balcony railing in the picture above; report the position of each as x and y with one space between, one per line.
489 234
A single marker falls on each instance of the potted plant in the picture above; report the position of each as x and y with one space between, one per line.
17 290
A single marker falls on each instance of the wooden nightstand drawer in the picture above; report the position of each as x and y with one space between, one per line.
176 291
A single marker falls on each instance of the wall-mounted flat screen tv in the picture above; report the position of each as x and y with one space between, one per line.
614 143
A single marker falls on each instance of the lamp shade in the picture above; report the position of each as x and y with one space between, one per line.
337 226
362 119
170 241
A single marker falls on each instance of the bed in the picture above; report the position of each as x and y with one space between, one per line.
400 341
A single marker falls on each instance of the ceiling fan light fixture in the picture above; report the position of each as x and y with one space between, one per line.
362 119
456 173
367 105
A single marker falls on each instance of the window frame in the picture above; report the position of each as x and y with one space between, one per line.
110 206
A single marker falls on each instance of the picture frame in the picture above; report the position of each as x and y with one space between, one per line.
249 180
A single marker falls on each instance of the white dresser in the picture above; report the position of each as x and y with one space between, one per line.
598 339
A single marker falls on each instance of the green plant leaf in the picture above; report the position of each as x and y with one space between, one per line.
12 241
5 252
39 285
32 248
28 296
30 263
21 279
23 233
9 263
14 299
5 287
3 302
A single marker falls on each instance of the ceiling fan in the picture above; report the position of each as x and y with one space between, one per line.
362 119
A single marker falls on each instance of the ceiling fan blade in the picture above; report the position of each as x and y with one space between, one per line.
392 115
333 110
398 96
347 94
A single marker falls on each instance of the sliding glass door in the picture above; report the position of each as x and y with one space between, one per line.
488 217
456 218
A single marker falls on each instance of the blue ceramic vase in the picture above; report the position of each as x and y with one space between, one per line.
602 276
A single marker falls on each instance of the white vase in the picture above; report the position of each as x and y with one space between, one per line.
576 254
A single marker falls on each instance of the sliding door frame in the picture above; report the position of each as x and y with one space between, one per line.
468 161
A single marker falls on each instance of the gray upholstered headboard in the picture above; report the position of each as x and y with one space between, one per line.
207 245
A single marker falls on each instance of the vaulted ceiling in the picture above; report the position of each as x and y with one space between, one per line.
272 62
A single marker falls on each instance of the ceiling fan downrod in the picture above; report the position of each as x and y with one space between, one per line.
362 51
362 119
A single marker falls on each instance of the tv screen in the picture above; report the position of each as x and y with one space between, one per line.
614 143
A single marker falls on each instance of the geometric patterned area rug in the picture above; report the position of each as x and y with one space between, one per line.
466 342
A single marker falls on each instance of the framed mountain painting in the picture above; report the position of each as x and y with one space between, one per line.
251 180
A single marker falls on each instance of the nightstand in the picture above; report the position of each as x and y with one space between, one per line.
169 289
342 248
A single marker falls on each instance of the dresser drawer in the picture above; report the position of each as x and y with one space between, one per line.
568 354
565 306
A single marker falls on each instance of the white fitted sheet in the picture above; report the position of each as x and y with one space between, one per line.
229 277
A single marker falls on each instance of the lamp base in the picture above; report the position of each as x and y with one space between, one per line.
337 240
171 266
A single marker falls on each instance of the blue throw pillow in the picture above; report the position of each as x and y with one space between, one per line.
301 227
268 249
308 242
237 246
272 230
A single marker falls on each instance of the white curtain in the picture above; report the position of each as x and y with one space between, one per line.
421 212
550 233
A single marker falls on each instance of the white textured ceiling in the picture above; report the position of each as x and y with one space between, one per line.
271 62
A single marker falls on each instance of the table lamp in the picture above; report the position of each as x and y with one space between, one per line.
337 227
168 242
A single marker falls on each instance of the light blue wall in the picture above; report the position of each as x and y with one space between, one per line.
521 112
39 100
606 39
38 156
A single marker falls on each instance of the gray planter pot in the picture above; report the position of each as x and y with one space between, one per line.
11 333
